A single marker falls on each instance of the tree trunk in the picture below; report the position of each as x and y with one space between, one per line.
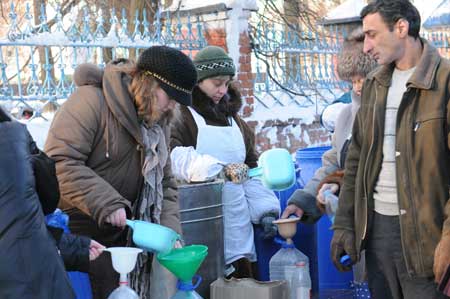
41 50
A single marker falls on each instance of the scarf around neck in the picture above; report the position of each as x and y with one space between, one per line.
150 203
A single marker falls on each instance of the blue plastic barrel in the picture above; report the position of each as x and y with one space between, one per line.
309 160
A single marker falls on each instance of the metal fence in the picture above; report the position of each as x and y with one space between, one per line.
301 63
37 61
291 65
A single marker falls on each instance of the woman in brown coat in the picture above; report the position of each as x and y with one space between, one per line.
110 141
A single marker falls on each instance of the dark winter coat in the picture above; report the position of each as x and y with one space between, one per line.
184 132
30 266
95 139
73 249
422 160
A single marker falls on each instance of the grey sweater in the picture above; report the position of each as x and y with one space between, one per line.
306 198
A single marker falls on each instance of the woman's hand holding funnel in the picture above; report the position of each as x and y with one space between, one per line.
95 249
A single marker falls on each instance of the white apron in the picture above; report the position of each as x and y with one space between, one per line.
227 145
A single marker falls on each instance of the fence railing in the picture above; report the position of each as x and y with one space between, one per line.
36 60
302 63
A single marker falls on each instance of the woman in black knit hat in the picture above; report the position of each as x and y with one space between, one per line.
110 141
212 127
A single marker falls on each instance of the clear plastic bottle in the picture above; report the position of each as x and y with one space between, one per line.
283 263
186 295
331 204
301 282
186 290
123 291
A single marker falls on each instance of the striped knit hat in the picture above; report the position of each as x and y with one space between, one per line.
213 61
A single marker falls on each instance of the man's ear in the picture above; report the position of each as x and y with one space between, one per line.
402 28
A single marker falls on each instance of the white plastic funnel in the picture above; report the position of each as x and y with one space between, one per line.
123 258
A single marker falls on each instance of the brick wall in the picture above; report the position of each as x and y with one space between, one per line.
291 134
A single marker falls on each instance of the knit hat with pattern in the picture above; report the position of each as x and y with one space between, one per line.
213 61
174 71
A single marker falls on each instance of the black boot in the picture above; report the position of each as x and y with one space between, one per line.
243 269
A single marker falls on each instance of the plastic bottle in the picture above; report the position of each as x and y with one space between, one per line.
123 292
331 204
301 282
187 295
186 290
58 219
283 264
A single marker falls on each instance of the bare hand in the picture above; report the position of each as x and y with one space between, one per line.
117 218
292 209
334 188
95 249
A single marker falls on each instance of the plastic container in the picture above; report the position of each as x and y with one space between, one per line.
309 160
152 237
304 240
200 207
123 292
331 204
187 290
276 169
80 281
301 283
284 263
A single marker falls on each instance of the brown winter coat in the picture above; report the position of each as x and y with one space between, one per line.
96 141
184 132
422 160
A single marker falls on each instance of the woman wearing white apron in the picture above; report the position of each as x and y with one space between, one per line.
213 127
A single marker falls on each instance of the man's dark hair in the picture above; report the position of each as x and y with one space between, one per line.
393 10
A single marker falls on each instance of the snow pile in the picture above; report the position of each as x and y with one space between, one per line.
282 106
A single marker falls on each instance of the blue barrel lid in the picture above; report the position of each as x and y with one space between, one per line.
311 152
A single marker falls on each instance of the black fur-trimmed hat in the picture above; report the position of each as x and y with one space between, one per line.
352 60
174 71
213 61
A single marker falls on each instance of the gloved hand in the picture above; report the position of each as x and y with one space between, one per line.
270 229
236 172
441 257
343 242
303 205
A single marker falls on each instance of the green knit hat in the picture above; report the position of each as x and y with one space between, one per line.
213 61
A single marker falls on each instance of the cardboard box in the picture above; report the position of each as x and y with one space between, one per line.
248 288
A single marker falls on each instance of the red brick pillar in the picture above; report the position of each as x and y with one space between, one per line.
245 75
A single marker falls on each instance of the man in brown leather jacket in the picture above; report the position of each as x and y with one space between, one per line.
394 200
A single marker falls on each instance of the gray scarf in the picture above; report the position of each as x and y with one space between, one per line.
150 205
